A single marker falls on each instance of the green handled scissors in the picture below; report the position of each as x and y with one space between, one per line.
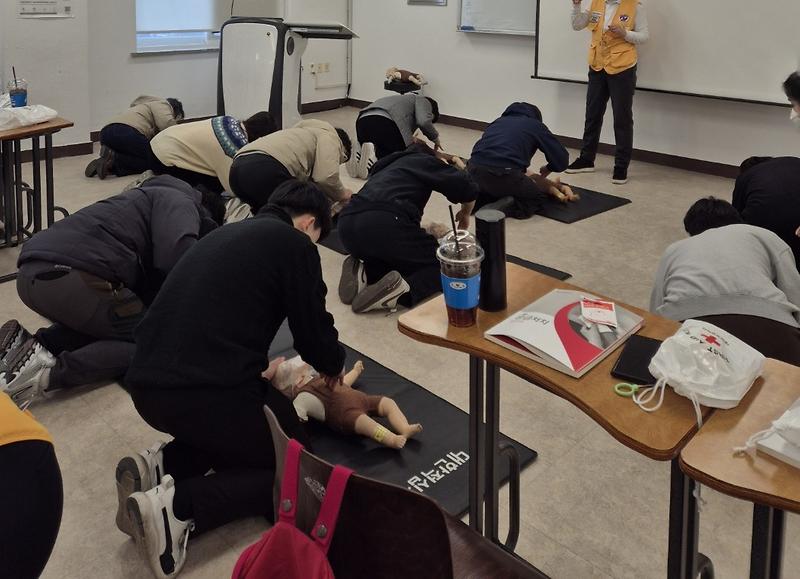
626 390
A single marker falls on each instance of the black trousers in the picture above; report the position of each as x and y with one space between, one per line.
496 183
92 337
255 176
773 339
132 152
385 242
31 502
223 429
381 132
620 88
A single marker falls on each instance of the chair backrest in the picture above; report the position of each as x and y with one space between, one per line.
383 530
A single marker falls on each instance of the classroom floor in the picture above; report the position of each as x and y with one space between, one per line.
590 506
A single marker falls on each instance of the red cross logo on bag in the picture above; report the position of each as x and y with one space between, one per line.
711 339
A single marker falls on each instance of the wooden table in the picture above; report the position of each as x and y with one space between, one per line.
772 485
12 187
660 435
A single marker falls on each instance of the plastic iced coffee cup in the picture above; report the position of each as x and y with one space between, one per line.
461 280
18 92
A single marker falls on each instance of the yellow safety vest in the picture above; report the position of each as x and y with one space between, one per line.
16 426
608 52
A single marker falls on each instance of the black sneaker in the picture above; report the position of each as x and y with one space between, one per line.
105 164
382 295
620 176
581 165
91 168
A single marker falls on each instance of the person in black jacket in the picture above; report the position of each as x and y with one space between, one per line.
766 195
197 373
381 227
500 160
93 274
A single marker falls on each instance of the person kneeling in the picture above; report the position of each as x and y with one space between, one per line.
738 277
392 258
93 274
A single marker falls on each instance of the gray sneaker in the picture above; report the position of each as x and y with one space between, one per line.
353 279
138 472
139 181
382 295
12 336
27 372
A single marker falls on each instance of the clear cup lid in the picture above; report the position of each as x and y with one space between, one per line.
465 252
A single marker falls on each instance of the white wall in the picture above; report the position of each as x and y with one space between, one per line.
52 55
333 52
117 77
475 76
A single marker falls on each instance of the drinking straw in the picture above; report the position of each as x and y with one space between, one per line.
455 231
14 72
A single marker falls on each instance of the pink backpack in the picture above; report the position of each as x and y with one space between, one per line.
284 551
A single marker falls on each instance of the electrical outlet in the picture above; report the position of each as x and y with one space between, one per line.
325 67
312 68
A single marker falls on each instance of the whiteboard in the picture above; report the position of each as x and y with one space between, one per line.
498 16
733 49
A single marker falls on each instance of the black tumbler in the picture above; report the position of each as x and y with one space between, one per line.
490 230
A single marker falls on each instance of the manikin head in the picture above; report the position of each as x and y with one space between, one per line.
290 374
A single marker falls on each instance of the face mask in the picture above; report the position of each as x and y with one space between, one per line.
787 426
705 364
795 117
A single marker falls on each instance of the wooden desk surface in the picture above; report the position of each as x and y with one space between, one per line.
659 435
33 130
762 479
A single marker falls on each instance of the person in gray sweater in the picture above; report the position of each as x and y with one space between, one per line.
390 122
738 277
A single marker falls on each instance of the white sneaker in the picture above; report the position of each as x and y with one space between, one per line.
138 472
353 279
368 159
27 372
353 162
159 535
382 295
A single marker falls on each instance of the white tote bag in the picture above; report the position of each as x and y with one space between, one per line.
705 364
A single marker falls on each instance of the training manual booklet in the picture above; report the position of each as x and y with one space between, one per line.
555 331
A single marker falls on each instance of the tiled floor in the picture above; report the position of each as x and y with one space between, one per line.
591 507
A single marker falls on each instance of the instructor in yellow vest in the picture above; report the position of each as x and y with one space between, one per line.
617 27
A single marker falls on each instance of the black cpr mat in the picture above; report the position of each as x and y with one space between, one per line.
435 462
333 243
592 203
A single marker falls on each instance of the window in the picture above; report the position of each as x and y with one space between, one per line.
178 25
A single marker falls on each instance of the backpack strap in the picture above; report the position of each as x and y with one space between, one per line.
323 529
287 508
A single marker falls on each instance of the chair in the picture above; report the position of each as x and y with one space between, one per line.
386 531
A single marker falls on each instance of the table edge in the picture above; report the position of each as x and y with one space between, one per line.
736 491
655 454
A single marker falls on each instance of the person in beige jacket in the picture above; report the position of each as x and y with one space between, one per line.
312 150
125 141
201 152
